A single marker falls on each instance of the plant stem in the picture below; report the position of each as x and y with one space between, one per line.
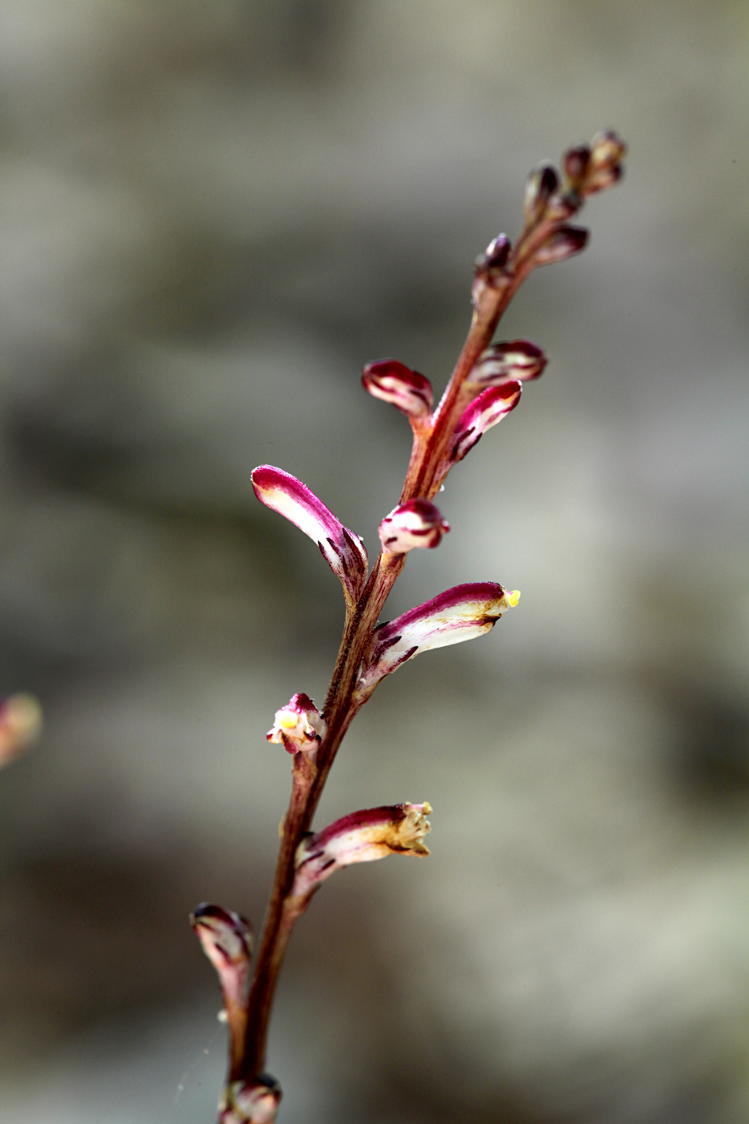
424 476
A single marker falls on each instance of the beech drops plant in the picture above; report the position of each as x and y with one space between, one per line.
485 386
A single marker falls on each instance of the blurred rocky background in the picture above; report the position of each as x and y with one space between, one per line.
211 215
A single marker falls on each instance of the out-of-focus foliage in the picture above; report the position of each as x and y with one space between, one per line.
211 215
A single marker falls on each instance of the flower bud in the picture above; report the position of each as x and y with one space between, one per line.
417 523
516 359
227 942
224 935
397 384
361 837
486 410
575 163
562 244
539 188
607 148
298 726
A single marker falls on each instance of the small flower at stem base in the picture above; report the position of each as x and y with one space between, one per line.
503 362
298 727
394 382
411 525
361 837
253 1102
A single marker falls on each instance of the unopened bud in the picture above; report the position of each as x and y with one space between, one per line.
486 410
412 525
607 148
602 178
516 359
539 188
489 267
397 384
575 163
562 244
298 726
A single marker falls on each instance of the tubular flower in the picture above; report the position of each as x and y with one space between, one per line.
414 524
342 549
226 939
361 837
394 382
460 613
298 726
488 408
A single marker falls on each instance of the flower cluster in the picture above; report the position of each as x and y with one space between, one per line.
487 385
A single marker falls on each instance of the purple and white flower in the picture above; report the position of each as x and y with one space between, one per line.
488 408
298 727
360 837
394 382
412 525
342 549
504 362
458 614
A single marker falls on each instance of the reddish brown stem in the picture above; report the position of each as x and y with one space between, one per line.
425 473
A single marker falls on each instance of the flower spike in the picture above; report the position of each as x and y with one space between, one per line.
417 523
361 837
485 411
460 613
342 549
394 382
298 726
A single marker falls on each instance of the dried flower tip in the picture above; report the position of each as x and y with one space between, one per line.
254 1102
539 188
562 244
298 726
225 936
486 410
20 724
361 837
575 163
397 384
417 523
516 359
342 549
607 148
458 614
